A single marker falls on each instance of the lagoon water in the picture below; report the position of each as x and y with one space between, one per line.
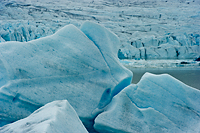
189 76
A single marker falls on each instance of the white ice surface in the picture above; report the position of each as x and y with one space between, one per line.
158 103
66 65
54 117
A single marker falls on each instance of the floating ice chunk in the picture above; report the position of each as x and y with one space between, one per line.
66 65
54 117
158 103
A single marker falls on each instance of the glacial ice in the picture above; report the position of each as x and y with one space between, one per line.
23 32
79 67
158 103
180 47
54 117
140 24
82 68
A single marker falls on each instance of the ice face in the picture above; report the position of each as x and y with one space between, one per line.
158 103
66 65
162 49
57 116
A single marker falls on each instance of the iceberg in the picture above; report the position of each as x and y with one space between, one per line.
79 66
54 117
158 103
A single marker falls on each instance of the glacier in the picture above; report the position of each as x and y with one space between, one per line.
78 70
54 117
157 29
82 68
158 103
79 63
167 48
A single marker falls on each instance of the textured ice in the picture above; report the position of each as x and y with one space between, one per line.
82 68
54 117
167 50
158 103
81 65
138 23
24 32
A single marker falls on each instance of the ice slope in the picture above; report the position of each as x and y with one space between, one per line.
167 48
140 24
82 68
54 117
158 103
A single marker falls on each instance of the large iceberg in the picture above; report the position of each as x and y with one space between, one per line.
82 68
54 117
158 103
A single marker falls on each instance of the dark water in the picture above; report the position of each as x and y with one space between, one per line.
188 76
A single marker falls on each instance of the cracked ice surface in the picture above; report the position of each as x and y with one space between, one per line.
157 29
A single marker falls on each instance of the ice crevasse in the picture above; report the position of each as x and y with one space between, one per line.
80 69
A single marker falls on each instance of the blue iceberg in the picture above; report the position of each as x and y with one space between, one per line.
80 66
54 117
158 103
